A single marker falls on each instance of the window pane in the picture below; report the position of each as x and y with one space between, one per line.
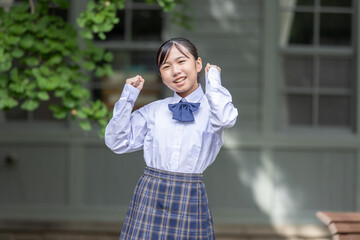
335 72
335 29
43 112
334 111
146 61
16 114
304 2
128 64
147 25
297 28
118 32
336 3
63 13
299 109
289 4
298 71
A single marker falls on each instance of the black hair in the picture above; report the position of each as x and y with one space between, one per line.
164 50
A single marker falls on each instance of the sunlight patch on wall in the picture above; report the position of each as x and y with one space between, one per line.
270 193
225 11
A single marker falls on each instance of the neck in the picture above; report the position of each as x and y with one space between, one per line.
188 92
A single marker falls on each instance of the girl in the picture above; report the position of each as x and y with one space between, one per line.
180 136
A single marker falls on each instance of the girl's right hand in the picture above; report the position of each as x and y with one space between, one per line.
137 82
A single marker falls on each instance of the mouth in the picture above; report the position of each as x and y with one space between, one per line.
179 79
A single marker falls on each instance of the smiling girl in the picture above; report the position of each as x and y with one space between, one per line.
181 136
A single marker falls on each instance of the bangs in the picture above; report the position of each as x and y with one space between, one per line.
165 50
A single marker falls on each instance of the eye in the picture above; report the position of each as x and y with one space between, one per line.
181 61
165 67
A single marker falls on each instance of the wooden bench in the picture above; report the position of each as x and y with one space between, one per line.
342 225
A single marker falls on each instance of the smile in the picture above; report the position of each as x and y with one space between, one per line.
180 79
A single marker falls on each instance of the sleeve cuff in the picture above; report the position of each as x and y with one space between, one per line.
213 76
130 93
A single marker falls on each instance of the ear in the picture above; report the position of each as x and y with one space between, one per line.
198 65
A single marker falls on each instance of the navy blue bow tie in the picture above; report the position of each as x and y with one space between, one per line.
182 111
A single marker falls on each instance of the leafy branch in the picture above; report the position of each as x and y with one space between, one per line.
40 58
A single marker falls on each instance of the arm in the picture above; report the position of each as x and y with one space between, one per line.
126 131
223 114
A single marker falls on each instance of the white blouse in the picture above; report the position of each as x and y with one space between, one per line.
168 144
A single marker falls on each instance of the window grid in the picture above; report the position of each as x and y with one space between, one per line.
316 51
128 47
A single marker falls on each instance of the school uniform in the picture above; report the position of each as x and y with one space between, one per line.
169 201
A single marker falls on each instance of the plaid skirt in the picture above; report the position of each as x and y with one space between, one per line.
167 205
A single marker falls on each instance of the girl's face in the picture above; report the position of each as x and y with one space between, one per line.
179 72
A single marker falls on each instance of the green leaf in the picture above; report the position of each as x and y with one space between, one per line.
5 66
87 34
31 93
108 57
3 55
87 111
45 70
103 122
116 20
90 66
52 82
60 115
3 82
17 29
32 61
41 81
44 96
81 115
55 60
79 92
8 103
30 105
101 113
91 5
121 4
69 102
59 93
102 36
95 28
100 72
13 40
99 18
27 42
17 53
85 125
17 88
108 70
101 133
14 74
64 4
81 21
58 112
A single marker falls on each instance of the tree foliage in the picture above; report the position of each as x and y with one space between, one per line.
40 58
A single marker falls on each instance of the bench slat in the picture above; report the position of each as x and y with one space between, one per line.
335 228
346 237
329 217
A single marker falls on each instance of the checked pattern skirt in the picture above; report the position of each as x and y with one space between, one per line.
168 206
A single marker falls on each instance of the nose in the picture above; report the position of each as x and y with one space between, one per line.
175 70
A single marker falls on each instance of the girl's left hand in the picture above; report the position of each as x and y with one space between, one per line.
208 66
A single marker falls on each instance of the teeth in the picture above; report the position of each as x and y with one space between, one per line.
179 80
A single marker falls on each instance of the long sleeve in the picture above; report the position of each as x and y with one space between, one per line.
223 114
126 131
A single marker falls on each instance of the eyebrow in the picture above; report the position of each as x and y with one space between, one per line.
175 60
